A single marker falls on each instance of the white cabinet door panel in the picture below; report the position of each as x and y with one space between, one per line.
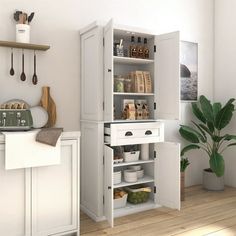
54 194
14 200
108 162
167 76
108 71
167 175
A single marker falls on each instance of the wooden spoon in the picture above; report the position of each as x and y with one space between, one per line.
35 78
12 72
23 76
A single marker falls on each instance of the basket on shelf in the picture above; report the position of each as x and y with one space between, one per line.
138 194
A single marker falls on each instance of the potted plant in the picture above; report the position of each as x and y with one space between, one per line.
207 135
183 165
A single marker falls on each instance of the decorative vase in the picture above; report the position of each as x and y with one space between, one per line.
182 186
211 181
49 105
22 33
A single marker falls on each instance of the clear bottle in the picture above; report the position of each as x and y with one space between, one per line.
132 48
139 48
145 49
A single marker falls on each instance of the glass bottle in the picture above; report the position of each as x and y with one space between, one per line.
139 48
145 49
132 48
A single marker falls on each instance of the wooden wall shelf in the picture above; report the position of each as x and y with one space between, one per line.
24 45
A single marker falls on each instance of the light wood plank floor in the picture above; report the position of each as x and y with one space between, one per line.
202 213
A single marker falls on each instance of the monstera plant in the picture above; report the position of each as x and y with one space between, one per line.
207 133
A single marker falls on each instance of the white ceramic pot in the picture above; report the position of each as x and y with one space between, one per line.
212 182
22 33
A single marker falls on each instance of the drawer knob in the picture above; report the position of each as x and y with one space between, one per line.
128 133
148 132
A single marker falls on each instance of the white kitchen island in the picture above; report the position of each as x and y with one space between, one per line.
41 201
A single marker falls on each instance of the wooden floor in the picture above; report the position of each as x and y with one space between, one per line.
202 213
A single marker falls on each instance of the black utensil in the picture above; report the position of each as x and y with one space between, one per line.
12 72
35 78
23 76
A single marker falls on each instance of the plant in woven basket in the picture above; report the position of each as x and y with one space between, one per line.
207 133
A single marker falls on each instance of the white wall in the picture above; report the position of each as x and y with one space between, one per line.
57 23
225 70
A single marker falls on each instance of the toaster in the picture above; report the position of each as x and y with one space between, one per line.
15 119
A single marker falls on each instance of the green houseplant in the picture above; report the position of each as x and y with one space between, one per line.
183 165
207 133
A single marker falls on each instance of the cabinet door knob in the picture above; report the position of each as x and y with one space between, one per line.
128 133
148 132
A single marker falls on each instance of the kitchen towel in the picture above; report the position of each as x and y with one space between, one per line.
49 136
22 151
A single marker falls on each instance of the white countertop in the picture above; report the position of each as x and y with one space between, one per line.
65 135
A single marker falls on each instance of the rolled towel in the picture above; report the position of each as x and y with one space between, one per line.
49 136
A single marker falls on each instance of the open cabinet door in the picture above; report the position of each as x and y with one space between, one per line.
108 71
108 187
167 76
167 177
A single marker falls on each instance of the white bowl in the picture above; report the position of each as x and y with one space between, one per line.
130 176
136 167
140 174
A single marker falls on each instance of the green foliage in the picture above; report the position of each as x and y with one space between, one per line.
184 164
206 134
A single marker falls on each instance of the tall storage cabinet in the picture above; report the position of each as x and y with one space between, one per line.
104 129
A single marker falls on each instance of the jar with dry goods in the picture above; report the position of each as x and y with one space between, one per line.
119 83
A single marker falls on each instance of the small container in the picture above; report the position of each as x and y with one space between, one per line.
120 202
22 33
119 84
131 156
145 152
130 176
128 85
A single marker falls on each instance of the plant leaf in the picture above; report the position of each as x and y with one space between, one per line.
197 112
229 137
189 136
216 107
200 129
210 125
231 144
206 129
191 130
224 116
217 164
188 148
206 109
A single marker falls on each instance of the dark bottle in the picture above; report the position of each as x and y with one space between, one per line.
132 48
145 49
139 48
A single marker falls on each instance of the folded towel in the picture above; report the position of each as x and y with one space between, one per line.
49 136
21 151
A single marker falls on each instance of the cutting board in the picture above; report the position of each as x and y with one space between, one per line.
49 105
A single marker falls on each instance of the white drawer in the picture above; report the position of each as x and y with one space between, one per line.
134 133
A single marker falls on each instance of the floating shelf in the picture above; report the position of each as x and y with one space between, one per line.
133 94
24 45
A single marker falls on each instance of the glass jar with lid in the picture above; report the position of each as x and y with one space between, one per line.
119 83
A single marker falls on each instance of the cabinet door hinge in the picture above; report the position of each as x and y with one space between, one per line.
155 154
155 48
103 199
155 190
103 42
155 106
103 106
103 161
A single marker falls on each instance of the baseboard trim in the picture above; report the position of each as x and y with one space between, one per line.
91 215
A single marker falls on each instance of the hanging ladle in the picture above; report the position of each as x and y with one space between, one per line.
12 72
35 78
23 76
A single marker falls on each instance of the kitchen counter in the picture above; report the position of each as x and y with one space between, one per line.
67 135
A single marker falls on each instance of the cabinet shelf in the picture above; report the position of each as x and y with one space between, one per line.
131 121
30 46
145 179
132 163
133 94
134 208
132 61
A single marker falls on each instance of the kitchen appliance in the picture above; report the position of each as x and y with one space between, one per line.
15 119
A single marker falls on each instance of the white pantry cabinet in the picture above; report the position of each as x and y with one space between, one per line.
103 127
42 201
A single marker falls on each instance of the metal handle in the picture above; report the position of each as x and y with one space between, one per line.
128 133
148 132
